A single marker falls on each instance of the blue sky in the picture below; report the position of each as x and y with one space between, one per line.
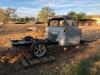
61 7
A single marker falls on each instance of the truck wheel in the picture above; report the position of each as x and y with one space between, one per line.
39 51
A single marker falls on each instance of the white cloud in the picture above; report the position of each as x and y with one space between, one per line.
60 5
22 11
93 5
32 7
93 13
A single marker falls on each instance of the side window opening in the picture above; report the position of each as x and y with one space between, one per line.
71 23
61 23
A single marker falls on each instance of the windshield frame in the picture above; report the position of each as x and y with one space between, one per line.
59 20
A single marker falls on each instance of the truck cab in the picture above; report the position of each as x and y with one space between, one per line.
63 30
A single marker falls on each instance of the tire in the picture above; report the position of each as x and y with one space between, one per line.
39 51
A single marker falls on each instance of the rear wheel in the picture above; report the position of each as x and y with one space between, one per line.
39 50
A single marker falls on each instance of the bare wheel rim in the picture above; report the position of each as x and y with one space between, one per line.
40 50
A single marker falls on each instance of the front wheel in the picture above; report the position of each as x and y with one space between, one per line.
39 50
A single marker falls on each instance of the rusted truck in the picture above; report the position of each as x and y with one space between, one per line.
61 30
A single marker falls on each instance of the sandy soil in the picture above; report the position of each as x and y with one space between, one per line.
72 55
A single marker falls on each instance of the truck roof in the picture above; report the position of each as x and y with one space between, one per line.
56 18
59 17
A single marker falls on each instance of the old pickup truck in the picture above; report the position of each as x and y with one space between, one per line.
61 30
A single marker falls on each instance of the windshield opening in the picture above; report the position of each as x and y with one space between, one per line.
56 23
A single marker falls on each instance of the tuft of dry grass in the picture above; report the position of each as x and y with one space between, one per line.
89 66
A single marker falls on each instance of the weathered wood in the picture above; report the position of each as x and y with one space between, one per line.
35 61
45 59
27 62
41 60
48 58
52 58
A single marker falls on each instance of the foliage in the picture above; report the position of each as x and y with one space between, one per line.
77 15
81 16
89 66
45 13
10 12
23 20
6 14
3 17
72 14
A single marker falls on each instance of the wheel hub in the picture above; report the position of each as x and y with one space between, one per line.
40 50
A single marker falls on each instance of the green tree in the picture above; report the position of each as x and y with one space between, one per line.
77 15
81 16
27 19
45 13
72 14
6 15
3 16
10 12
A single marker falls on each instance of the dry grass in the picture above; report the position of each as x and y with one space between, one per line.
17 31
87 63
83 64
85 28
5 39
90 27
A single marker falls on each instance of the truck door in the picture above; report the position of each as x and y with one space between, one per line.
71 35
